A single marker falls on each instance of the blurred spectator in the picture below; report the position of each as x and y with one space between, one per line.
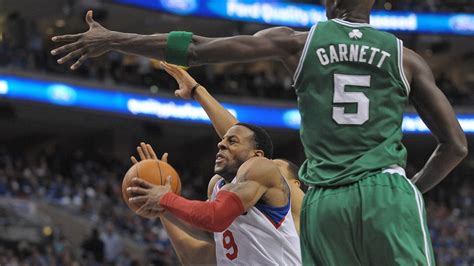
112 244
93 248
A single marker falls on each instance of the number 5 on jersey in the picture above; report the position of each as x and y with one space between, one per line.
341 96
229 243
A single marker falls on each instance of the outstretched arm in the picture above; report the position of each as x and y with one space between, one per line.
439 116
221 119
279 43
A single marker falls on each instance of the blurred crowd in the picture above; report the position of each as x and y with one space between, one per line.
90 187
25 47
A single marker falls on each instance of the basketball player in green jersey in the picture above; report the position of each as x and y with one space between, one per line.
353 83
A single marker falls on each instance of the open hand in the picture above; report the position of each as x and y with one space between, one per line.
146 152
92 43
185 81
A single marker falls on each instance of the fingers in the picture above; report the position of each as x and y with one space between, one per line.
168 181
140 153
142 210
138 199
90 21
71 55
67 38
134 160
176 69
145 150
66 48
79 61
181 94
151 152
148 212
137 190
141 183
170 70
164 157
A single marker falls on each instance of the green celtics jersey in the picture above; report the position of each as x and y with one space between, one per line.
352 93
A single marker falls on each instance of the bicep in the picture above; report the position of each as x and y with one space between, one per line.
430 102
254 178
276 44
249 192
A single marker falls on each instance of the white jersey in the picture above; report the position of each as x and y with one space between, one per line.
264 235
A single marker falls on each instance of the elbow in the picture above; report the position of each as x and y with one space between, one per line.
218 226
462 151
459 149
222 228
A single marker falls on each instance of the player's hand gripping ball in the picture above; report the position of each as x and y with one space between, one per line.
152 171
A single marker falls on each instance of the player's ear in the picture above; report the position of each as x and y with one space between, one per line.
259 153
297 182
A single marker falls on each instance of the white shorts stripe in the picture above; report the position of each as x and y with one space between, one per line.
419 204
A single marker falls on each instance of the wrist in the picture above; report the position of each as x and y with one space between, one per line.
193 90
118 40
167 199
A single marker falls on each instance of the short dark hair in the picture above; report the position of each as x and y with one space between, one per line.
261 138
293 168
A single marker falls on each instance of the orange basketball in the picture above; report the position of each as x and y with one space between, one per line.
153 171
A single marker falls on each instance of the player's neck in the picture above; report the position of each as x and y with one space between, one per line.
352 16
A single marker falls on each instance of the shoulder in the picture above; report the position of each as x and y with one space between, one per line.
414 65
276 31
284 33
261 170
212 184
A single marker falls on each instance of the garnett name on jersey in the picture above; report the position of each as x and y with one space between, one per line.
351 53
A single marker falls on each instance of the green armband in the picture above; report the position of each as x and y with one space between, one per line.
177 44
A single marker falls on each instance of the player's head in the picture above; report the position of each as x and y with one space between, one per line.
240 143
289 171
342 8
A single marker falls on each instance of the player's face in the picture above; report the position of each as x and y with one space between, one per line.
236 147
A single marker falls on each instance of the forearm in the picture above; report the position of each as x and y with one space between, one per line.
439 165
178 228
221 119
212 216
189 249
151 46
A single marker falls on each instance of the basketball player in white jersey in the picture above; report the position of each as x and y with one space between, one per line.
223 120
250 207
192 246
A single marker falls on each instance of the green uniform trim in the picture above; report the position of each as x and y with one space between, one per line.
352 93
176 51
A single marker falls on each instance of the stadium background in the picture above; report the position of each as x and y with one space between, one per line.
66 136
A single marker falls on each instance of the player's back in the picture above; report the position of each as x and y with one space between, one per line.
351 94
264 235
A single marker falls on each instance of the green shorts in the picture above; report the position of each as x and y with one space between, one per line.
379 220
